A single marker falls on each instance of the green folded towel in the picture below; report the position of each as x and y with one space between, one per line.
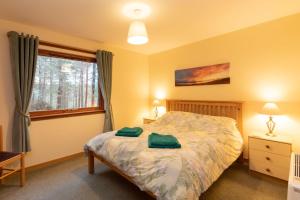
130 132
156 140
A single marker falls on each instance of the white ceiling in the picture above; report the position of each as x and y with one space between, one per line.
172 23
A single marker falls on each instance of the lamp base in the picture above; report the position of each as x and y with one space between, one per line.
156 112
271 134
271 126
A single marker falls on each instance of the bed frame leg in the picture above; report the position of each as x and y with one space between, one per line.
91 162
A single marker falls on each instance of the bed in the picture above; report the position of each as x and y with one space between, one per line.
210 135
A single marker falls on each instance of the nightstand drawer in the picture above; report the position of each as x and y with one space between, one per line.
269 158
269 169
279 148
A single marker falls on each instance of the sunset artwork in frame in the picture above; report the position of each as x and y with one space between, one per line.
205 75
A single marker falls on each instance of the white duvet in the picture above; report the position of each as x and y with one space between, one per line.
209 145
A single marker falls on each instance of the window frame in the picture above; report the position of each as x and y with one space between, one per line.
50 114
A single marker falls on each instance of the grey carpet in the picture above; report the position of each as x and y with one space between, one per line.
70 180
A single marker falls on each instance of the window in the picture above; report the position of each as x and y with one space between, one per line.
65 85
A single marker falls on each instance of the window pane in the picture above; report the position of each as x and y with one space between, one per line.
64 84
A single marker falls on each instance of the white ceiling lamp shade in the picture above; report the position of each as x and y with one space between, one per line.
137 34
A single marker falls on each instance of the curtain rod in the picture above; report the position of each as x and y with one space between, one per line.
61 46
66 47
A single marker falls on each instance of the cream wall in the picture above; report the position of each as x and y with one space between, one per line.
265 66
56 138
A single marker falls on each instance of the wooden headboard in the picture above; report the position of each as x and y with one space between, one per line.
215 108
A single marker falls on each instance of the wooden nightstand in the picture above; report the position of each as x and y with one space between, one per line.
148 120
270 155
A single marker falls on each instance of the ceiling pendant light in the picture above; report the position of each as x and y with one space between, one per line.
137 34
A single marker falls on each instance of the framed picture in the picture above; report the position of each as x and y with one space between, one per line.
205 75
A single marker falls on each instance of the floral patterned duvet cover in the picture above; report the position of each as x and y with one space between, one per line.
209 145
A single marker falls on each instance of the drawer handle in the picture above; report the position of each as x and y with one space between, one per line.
267 146
268 170
267 158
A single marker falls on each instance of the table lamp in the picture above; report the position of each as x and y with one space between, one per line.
270 109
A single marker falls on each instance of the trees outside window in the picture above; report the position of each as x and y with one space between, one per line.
65 86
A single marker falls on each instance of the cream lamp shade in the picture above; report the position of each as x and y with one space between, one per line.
270 109
137 33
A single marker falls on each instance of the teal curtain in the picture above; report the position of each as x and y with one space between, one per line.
104 62
23 55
